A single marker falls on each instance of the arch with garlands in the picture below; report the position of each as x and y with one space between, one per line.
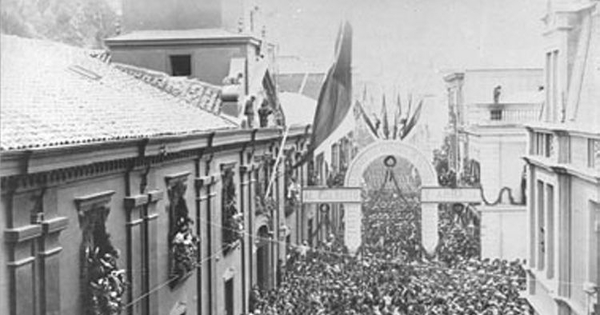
350 195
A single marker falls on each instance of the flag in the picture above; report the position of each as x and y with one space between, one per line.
335 97
413 120
384 117
367 120
397 117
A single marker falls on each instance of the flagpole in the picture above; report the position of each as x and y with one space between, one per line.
279 156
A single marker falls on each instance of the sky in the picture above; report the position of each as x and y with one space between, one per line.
406 46
409 44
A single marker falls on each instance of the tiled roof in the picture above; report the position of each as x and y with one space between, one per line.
56 95
191 90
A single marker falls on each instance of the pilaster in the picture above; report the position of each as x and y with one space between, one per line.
206 193
564 253
142 251
33 252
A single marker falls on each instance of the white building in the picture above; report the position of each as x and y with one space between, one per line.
488 110
564 166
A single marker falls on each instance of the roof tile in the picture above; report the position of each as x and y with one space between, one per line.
54 95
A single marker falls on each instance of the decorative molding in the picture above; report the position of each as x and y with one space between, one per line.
248 167
89 202
208 180
155 196
183 244
144 160
134 222
98 256
21 262
136 201
229 273
174 179
228 166
55 225
50 252
21 234
232 220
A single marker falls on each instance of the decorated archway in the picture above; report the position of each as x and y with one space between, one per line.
350 195
354 178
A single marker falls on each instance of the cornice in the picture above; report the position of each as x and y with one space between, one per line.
228 40
563 169
53 166
563 130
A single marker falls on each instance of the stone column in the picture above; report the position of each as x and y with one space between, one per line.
429 226
353 223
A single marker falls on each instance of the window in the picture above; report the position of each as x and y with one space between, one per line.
595 244
335 156
550 230
229 307
557 103
593 156
496 114
548 147
320 168
543 144
553 103
181 65
549 86
232 219
541 226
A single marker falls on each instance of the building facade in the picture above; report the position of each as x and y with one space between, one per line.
119 195
488 109
221 42
563 166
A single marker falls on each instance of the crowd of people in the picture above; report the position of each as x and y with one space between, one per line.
391 275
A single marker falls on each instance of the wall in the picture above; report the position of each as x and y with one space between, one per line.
499 154
210 62
202 290
4 282
181 294
503 229
71 238
582 236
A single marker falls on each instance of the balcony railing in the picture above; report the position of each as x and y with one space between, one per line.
492 114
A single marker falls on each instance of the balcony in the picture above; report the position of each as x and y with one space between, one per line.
502 114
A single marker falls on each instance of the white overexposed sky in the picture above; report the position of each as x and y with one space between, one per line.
406 46
409 43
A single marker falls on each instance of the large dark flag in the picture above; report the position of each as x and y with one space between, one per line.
336 93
